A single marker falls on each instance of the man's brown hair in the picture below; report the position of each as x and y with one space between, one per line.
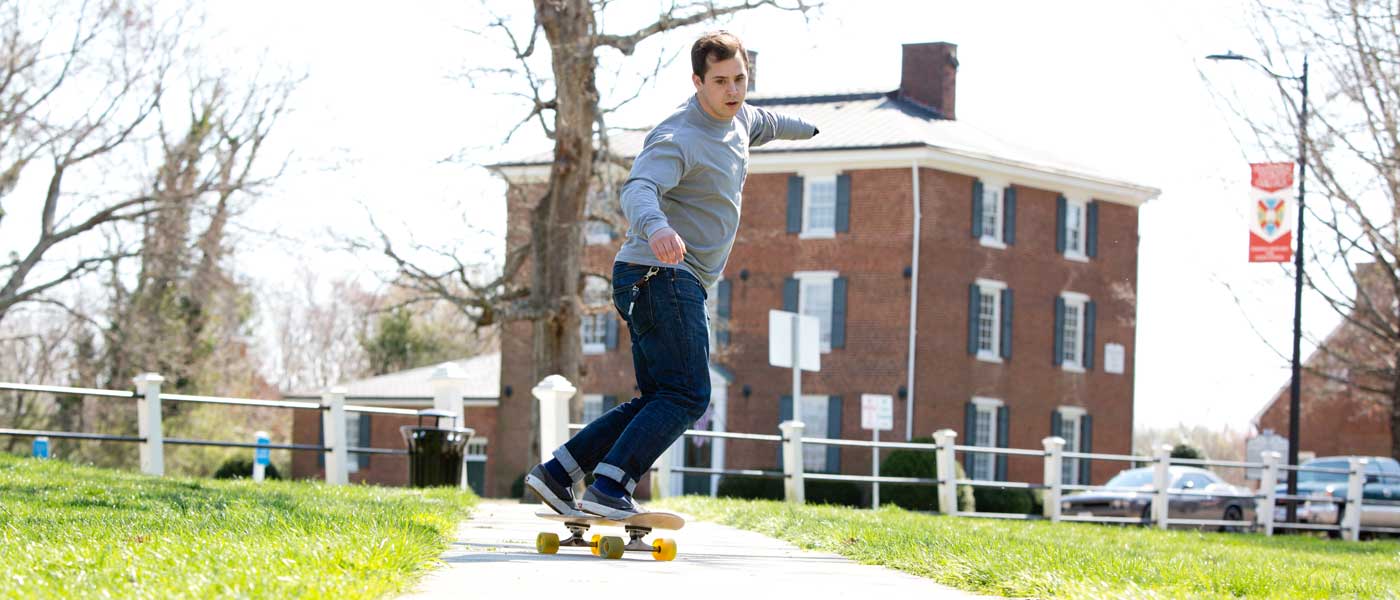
717 46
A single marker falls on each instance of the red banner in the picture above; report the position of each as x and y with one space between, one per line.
1271 211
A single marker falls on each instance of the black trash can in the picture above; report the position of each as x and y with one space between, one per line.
435 453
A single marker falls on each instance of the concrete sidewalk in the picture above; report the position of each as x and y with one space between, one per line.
495 553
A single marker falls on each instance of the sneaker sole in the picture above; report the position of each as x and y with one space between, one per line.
552 501
605 512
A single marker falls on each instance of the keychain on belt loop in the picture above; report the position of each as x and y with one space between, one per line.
637 289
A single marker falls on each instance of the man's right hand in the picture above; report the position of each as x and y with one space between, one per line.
667 245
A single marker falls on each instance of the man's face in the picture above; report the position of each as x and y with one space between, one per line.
722 91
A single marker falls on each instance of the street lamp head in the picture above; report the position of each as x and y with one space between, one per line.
1228 55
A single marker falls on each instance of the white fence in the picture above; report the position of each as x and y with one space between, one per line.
1052 455
152 441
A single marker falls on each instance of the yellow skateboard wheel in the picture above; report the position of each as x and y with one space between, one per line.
547 543
610 547
663 549
593 543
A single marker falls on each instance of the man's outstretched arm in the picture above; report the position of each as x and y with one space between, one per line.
766 126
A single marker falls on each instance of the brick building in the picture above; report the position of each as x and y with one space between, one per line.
1022 269
1331 398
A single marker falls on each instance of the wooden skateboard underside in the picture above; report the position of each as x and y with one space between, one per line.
637 528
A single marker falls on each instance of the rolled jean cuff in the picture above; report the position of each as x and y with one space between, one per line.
615 474
567 461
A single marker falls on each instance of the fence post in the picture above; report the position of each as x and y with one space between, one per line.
261 455
661 478
1054 447
554 393
1161 480
148 423
41 447
1268 481
793 485
333 428
1356 487
947 471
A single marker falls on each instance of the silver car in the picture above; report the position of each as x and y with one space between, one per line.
1129 494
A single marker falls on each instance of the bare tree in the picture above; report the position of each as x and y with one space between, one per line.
1353 159
566 105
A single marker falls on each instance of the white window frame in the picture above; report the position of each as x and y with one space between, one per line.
597 325
808 180
983 464
994 238
1074 301
994 354
804 279
814 455
1080 255
1069 467
596 233
591 400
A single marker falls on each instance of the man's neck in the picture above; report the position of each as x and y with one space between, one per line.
708 112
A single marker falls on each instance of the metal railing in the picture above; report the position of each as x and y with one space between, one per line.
1265 498
152 441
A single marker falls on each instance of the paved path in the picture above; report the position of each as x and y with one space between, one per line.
495 554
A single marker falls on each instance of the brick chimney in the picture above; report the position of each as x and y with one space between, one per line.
930 75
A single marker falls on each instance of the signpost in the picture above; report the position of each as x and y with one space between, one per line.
262 456
794 335
876 414
41 447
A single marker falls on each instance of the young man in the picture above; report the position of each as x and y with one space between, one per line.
682 202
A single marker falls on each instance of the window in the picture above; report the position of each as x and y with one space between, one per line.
357 436
819 214
593 329
597 232
1073 326
1069 467
814 411
1074 229
989 319
985 435
815 294
592 407
991 215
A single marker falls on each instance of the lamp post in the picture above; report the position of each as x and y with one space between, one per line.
1294 386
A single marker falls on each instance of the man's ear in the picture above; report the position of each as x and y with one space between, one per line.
695 79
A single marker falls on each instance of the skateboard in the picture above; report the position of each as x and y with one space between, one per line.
637 527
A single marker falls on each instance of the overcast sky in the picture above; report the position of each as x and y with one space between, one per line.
1112 84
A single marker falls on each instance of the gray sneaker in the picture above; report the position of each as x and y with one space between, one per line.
608 507
558 497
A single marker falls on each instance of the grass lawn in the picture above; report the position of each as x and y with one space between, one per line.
68 531
1071 560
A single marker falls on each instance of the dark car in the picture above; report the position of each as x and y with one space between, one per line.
1129 494
1380 498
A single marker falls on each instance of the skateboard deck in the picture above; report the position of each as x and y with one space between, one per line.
636 527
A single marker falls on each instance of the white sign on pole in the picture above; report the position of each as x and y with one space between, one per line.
876 412
1113 358
1255 448
780 341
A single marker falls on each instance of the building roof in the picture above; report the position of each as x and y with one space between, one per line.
877 120
481 379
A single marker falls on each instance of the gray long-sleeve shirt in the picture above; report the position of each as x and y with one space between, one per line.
689 176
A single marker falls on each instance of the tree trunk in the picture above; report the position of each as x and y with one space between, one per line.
554 226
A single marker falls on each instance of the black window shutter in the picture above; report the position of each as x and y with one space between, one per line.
321 441
843 203
970 423
1086 445
1059 332
1003 432
1060 225
838 313
1055 426
833 431
974 303
611 340
1089 336
1091 244
784 414
1009 223
363 459
790 294
794 209
976 208
1006 324
722 332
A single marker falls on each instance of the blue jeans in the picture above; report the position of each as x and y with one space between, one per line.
669 327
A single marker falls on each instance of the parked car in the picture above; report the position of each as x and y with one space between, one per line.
1380 498
1129 494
